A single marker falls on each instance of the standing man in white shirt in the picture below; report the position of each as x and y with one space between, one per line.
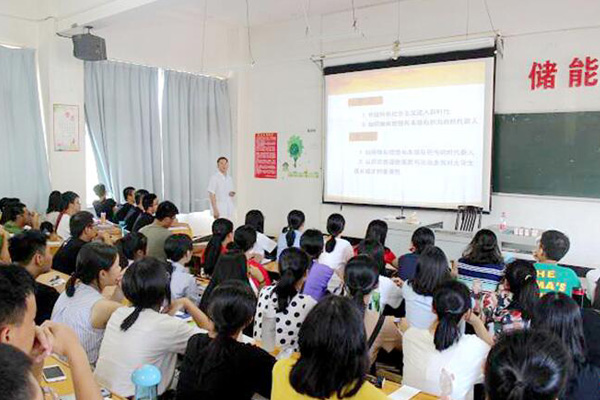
220 191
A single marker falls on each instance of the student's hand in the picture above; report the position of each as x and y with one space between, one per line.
63 338
42 345
454 268
474 319
216 214
399 282
35 220
256 257
177 305
4 233
105 237
476 286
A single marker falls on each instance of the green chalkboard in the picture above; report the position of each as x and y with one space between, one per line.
556 154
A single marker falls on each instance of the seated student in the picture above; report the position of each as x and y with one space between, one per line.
377 230
432 270
244 238
150 205
158 231
389 294
6 202
178 249
142 334
551 277
212 363
18 217
54 207
482 261
82 231
4 237
29 250
441 352
337 250
319 274
290 235
526 365
559 314
512 305
222 235
132 247
82 306
128 204
407 264
48 231
284 303
361 277
135 212
334 358
70 205
16 375
591 327
231 266
264 244
104 204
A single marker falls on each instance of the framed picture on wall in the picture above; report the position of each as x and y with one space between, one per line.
66 127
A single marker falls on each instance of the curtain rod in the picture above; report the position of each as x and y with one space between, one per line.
222 78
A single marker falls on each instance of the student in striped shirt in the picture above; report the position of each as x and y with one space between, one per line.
482 261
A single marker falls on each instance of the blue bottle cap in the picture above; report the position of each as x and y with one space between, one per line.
146 376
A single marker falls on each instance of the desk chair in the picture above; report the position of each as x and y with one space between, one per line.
466 217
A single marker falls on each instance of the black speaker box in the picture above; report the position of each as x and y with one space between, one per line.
88 47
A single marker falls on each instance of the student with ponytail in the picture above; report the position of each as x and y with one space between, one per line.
147 332
337 250
284 302
81 306
264 245
290 235
512 305
222 235
377 230
213 362
319 274
482 261
244 239
442 353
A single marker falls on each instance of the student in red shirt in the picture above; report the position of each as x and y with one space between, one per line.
377 230
244 239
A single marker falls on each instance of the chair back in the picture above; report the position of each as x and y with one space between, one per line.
467 217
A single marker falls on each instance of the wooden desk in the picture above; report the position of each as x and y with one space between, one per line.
390 387
48 276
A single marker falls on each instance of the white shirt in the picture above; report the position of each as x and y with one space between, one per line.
591 278
389 292
263 245
424 365
340 255
220 185
418 308
183 284
282 242
51 217
63 230
154 338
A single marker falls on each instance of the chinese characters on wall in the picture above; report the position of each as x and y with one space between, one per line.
582 72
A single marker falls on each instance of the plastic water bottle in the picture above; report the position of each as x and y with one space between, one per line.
146 380
503 224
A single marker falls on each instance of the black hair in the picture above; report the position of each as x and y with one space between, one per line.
92 258
422 238
255 219
335 226
377 230
100 190
139 196
129 190
128 245
334 357
526 364
312 243
166 209
148 201
244 238
16 284
46 228
375 250
15 374
293 264
67 198
451 300
5 203
14 210
521 277
146 285
25 245
295 221
79 221
54 202
221 227
361 277
596 303
431 271
484 249
230 266
555 244
222 158
559 314
177 246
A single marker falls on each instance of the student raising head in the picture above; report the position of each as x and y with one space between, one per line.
407 264
337 250
551 277
131 247
222 235
149 205
128 204
334 358
70 205
178 249
319 274
244 239
442 353
264 245
127 343
158 231
54 207
290 235
377 230
211 364
482 261
104 204
231 266
361 278
135 212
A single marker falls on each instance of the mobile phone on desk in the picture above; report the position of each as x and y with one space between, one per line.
53 373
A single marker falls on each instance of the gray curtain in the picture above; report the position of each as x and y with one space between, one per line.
24 171
121 112
196 130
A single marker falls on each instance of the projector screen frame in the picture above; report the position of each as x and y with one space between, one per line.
485 52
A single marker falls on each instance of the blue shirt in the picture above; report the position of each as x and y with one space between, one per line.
282 242
407 266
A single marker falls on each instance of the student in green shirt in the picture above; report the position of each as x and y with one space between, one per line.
18 216
551 277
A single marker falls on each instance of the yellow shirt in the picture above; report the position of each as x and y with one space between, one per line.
282 389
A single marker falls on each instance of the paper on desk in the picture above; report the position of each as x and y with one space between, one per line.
404 393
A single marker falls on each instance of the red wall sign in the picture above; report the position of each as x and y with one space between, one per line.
265 155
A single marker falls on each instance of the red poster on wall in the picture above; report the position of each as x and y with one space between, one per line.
265 155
